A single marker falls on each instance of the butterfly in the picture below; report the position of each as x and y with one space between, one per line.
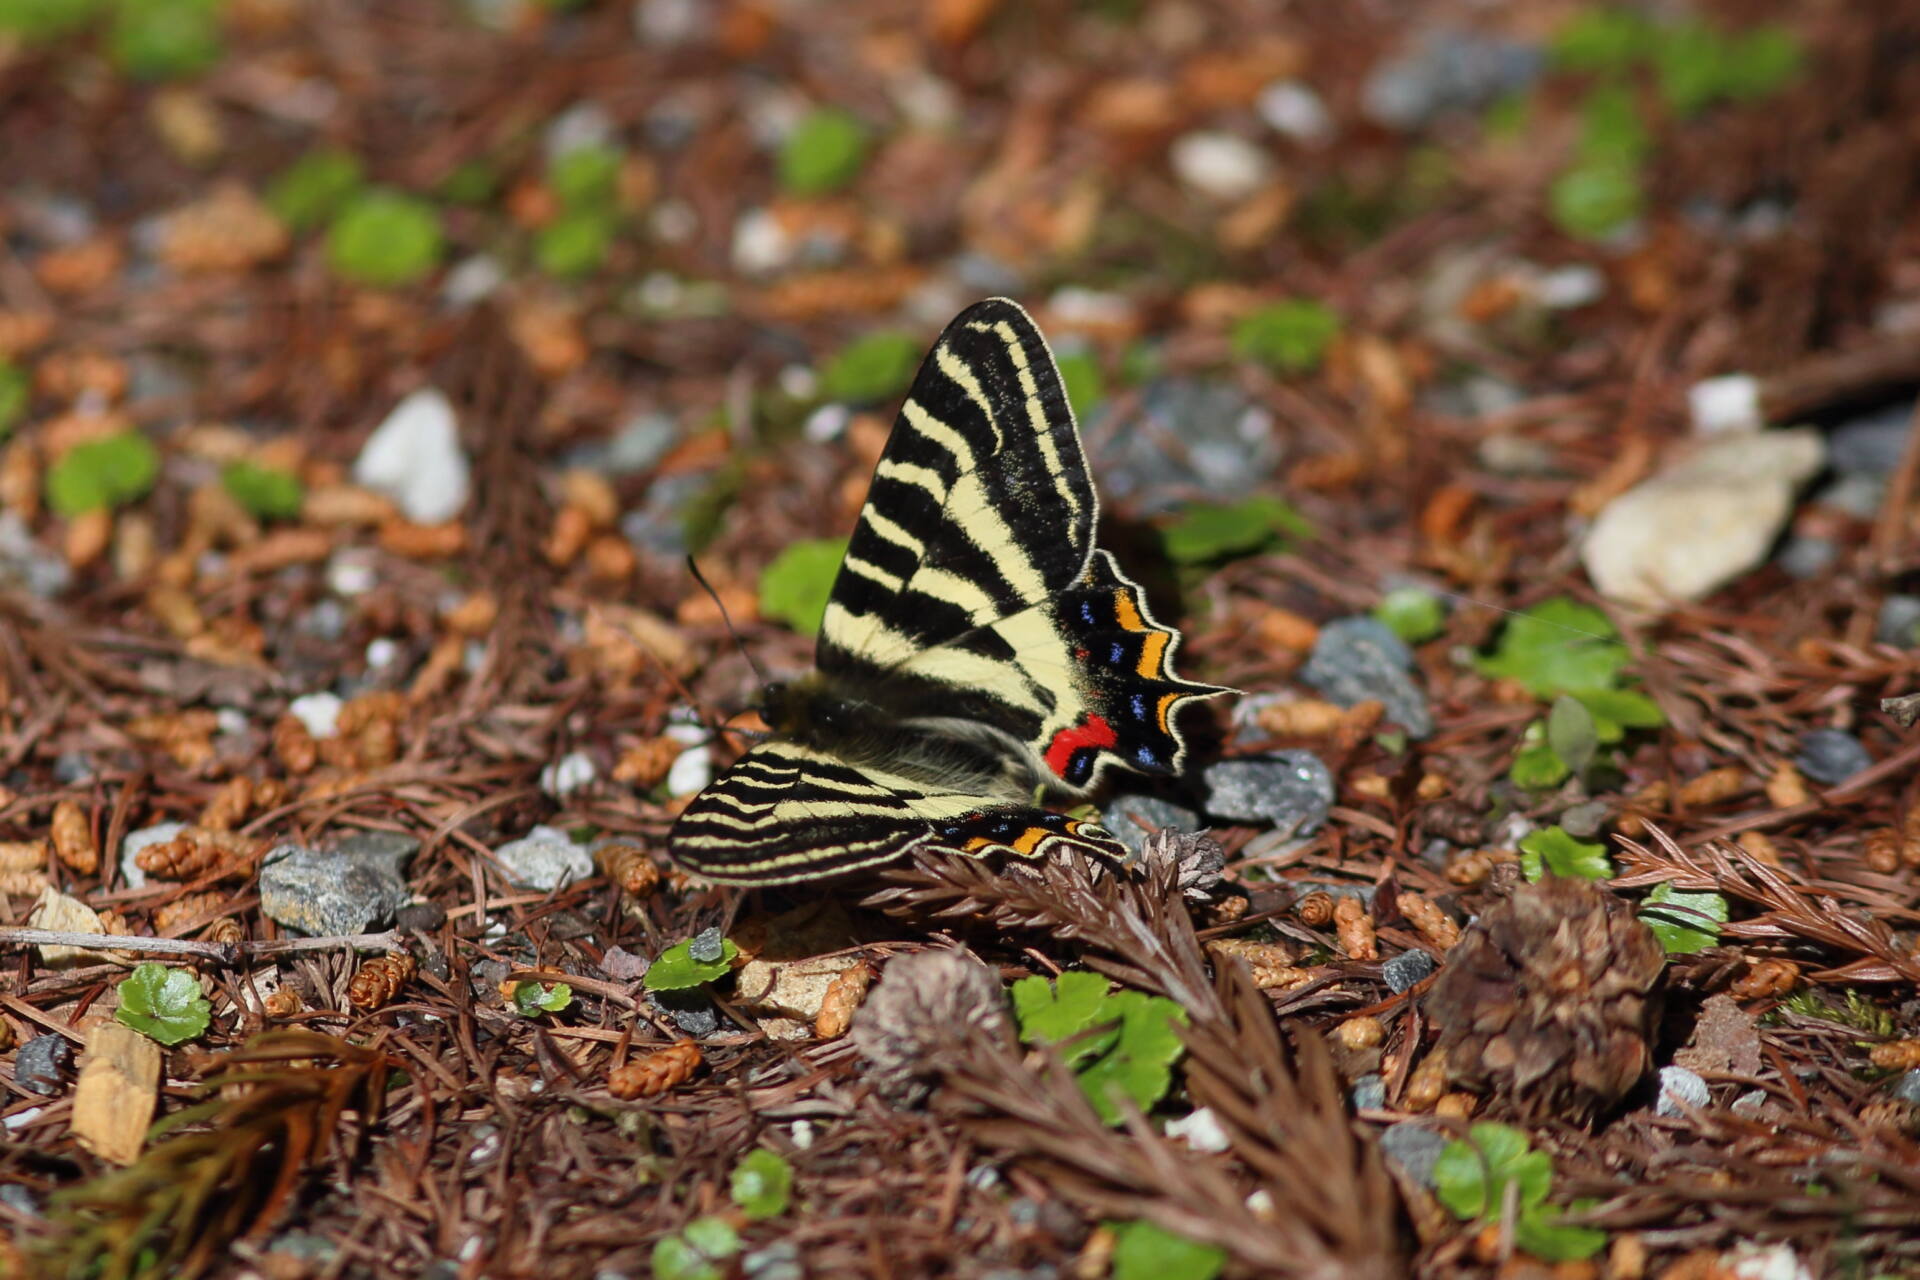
978 650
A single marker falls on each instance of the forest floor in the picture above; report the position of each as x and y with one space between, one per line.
1513 402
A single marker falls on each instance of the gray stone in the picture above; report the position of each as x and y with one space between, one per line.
1830 756
305 1246
1415 1148
655 526
545 859
1191 436
778 1261
1356 659
349 889
1871 445
1805 556
1448 70
1858 495
1160 815
1406 970
1584 821
1369 1092
707 946
1899 621
420 917
1906 1087
1680 1088
27 566
41 1065
691 1011
637 446
1290 789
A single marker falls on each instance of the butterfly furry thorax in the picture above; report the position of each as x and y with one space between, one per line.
977 646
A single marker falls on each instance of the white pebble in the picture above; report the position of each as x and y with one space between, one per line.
802 1133
583 125
674 221
568 774
414 457
760 244
1200 1130
1725 406
1295 111
1680 1087
1565 288
352 573
1751 1261
691 771
319 712
1076 307
1260 1201
473 280
382 652
1221 166
828 422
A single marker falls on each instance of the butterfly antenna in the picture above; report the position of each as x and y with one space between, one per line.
693 567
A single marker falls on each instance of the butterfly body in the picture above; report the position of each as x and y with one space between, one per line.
977 648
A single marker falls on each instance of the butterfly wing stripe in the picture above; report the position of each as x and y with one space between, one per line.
871 572
891 532
963 377
914 474
1037 413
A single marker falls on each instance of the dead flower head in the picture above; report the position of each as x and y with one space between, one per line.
1197 857
928 1006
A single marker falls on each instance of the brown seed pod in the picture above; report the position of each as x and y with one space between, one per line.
843 996
1360 1033
1469 869
23 866
1882 851
1355 927
1765 979
226 931
192 853
189 911
229 806
1712 787
1271 958
1315 909
283 1003
1427 1084
1435 925
572 526
1897 1055
657 1072
380 979
646 765
293 746
1786 788
1760 845
73 838
1456 1106
630 867
1306 718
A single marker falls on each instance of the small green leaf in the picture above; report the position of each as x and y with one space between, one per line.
1536 766
531 999
1615 711
1604 39
1049 1012
384 239
823 153
104 473
164 1004
471 182
576 243
676 969
267 492
794 588
1140 1062
312 188
1412 614
1552 850
164 39
586 177
35 21
1596 197
16 391
1291 336
1762 62
1085 385
1143 1251
1558 646
1684 922
675 1259
1541 1233
1611 128
714 1237
1205 532
1472 1174
1571 733
871 368
763 1184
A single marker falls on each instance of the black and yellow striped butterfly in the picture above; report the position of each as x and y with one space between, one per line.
977 647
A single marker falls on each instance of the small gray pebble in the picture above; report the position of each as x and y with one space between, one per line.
1831 756
70 767
1906 1087
1369 1092
1749 1104
691 1011
1679 1086
1804 556
441 1269
1584 821
41 1065
1899 622
346 890
1189 434
1159 815
1357 659
420 917
707 946
778 1261
1859 496
546 858
303 1245
19 1199
1406 970
1415 1148
1290 789
1871 445
487 975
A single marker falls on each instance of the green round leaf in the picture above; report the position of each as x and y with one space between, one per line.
1412 614
164 1004
1541 1233
1596 197
35 21
1049 1012
1604 39
713 1237
1552 850
531 999
164 39
823 153
1536 766
675 1259
1471 1175
794 588
585 176
309 190
676 969
1684 922
1571 734
762 1184
871 368
103 473
268 492
1085 385
1290 336
384 239
575 244
1204 532
16 391
1143 1251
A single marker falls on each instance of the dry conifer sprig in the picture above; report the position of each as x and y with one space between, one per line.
655 1073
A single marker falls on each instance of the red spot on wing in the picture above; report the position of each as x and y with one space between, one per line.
1094 731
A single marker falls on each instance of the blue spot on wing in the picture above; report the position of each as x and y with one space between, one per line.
1139 706
1086 612
1147 756
1119 653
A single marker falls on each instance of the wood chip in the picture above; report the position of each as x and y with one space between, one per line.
114 1100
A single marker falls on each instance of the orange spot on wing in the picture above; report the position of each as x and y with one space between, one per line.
1027 841
1127 612
976 844
1152 654
1163 709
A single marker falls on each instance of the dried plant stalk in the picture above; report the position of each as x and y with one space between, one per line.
655 1073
